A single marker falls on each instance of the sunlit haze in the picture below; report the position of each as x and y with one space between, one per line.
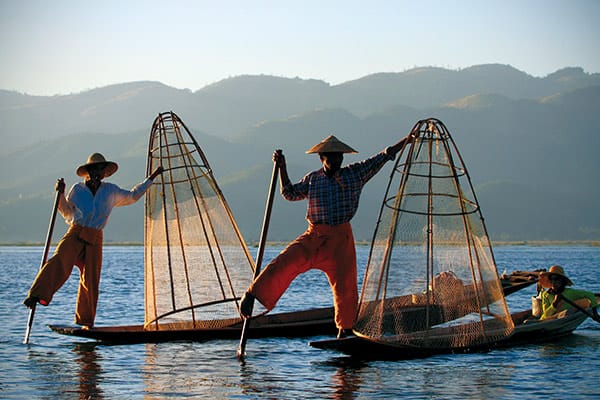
68 46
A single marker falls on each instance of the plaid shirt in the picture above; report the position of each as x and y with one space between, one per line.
334 201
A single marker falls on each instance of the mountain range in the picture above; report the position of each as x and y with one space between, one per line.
529 143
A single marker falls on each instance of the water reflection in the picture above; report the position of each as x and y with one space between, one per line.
62 372
90 372
185 369
251 383
347 379
161 369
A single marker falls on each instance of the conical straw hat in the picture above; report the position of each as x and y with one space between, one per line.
554 270
331 144
97 158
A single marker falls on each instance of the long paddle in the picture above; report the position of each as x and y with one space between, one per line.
593 315
241 352
44 257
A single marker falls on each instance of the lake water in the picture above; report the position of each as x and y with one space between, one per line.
62 367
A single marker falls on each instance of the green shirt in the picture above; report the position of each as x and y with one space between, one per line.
571 294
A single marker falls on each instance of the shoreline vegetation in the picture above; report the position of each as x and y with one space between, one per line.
592 243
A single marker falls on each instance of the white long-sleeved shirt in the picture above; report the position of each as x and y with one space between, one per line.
81 207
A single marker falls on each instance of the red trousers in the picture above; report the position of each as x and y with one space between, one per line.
324 247
81 247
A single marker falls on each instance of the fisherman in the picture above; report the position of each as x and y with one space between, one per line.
328 244
556 282
86 210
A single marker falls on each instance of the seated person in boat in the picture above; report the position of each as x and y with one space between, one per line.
328 244
556 281
86 209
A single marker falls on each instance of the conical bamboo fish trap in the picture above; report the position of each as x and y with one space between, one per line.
196 262
431 280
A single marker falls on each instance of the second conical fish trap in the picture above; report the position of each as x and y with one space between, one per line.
431 279
196 262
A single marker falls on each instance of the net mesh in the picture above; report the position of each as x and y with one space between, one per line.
431 279
196 262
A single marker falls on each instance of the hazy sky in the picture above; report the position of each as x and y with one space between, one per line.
64 46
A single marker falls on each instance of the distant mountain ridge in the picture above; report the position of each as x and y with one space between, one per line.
227 108
528 142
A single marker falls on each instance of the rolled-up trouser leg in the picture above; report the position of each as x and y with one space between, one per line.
55 272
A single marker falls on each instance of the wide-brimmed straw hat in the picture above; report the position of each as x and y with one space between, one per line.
110 167
553 270
331 144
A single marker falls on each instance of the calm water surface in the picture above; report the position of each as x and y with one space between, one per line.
60 367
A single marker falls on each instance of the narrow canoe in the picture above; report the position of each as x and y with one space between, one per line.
290 324
526 331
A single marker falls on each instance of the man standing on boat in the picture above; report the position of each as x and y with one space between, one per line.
86 209
333 194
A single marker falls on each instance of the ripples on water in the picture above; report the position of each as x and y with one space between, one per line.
55 366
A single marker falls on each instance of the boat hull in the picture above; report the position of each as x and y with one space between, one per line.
525 332
291 324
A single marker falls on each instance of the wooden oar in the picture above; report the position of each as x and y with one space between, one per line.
241 352
593 315
44 256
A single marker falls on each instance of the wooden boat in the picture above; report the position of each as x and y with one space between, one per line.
527 330
431 240
290 324
313 322
530 330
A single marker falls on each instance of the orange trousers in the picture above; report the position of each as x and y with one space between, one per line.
81 247
324 247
